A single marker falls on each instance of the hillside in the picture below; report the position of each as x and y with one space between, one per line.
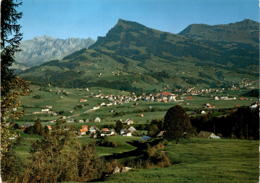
42 49
134 57
246 31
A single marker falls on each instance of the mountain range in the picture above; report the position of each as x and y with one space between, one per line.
45 48
134 57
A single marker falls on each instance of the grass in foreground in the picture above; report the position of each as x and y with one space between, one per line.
194 160
202 161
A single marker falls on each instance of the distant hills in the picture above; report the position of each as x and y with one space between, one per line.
134 57
42 49
246 31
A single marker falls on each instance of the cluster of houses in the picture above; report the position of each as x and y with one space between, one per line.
94 131
229 98
46 110
121 99
196 91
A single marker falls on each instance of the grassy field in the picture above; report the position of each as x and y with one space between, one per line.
202 161
193 160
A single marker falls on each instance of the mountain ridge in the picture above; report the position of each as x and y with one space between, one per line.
134 57
44 48
241 31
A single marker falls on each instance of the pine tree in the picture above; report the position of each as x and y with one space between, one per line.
11 86
10 40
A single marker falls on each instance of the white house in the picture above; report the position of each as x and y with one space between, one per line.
213 136
131 129
45 110
128 134
209 135
129 122
97 120
203 112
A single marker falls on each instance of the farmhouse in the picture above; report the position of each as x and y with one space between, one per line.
69 121
81 121
209 106
107 132
160 134
128 122
49 127
131 129
97 120
93 130
209 135
45 110
83 100
127 134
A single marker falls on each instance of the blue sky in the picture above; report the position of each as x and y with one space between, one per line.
92 18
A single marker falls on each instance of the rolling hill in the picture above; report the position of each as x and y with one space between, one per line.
134 57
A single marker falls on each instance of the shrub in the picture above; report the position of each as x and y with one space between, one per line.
119 126
90 166
37 97
58 157
11 166
106 143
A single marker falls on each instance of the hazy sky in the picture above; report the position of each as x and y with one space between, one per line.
92 18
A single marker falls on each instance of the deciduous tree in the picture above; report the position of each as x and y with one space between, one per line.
176 123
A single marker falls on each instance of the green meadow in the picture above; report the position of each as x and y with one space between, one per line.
202 161
68 105
193 160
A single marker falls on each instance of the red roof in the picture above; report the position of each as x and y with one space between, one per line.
83 130
105 130
166 93
84 126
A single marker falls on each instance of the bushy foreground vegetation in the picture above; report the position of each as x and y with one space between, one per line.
57 156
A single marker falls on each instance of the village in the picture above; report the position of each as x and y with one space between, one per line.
110 100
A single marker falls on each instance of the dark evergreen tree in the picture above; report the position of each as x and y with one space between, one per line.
119 126
10 40
11 86
37 127
176 123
